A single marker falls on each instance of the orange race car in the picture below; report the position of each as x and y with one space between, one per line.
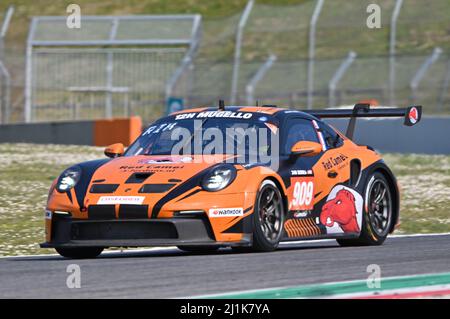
242 177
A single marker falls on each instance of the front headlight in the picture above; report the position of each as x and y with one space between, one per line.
68 179
219 178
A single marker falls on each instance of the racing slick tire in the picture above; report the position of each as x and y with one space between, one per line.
80 253
198 249
377 220
268 217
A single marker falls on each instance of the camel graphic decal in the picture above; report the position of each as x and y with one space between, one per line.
342 213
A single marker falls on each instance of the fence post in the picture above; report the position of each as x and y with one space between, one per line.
445 87
415 82
6 93
4 29
237 50
259 75
29 73
188 60
110 72
392 53
312 51
338 76
5 110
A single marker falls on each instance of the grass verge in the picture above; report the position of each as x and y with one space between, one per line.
27 171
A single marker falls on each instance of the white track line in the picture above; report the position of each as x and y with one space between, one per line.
173 248
107 252
391 236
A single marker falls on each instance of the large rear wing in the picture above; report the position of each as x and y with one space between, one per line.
412 115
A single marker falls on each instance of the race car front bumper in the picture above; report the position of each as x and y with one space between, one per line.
68 232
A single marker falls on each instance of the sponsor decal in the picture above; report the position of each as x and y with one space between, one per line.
302 214
166 160
155 129
152 168
335 161
413 115
342 213
263 118
302 172
214 114
48 214
301 193
226 212
111 200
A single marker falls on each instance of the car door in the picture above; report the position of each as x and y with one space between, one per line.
333 165
299 169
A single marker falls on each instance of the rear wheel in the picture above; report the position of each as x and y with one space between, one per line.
80 253
268 217
377 219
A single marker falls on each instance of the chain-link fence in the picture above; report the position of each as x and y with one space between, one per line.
289 55
76 83
111 66
284 32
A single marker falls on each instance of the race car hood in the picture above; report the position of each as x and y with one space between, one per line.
160 169
143 180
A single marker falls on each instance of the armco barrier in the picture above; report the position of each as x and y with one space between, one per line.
96 132
430 136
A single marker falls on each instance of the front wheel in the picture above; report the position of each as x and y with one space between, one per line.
80 253
377 218
268 217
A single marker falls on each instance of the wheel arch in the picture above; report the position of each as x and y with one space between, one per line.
281 189
382 168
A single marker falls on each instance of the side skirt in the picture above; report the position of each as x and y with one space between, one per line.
322 236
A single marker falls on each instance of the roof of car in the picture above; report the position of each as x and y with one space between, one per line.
266 109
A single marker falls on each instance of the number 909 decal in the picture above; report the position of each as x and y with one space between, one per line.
301 193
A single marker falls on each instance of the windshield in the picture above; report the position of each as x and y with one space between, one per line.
208 136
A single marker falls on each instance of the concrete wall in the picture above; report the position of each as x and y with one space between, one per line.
96 132
76 133
430 136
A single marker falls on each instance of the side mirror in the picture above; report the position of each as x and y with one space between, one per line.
114 150
306 148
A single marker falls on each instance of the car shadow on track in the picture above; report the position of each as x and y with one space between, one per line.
174 252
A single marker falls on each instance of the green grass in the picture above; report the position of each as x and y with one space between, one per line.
27 171
425 187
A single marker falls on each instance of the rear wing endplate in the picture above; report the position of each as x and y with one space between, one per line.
412 115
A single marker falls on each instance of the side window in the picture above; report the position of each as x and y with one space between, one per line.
299 130
332 139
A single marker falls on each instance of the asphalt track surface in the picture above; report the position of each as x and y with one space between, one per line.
168 273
